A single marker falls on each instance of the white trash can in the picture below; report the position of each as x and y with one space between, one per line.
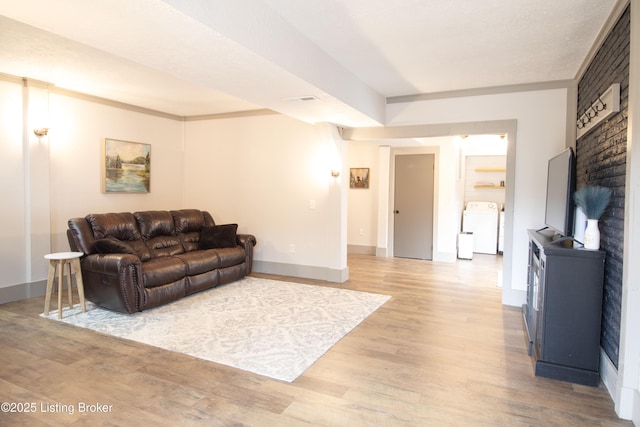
465 245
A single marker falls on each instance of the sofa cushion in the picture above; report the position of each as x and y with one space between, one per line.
164 246
122 226
231 256
188 223
155 223
161 271
187 220
198 262
159 295
119 226
199 282
158 232
218 236
111 245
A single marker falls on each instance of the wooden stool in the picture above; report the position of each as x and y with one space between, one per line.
60 259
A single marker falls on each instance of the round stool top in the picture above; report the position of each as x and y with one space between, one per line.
64 255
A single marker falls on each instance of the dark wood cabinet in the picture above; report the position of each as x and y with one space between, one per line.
562 315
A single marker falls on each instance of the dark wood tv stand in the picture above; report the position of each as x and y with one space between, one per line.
563 311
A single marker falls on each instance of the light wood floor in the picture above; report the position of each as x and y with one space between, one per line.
442 352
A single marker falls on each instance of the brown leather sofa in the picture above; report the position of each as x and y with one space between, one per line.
137 261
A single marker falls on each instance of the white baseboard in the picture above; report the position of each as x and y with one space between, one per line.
608 375
303 271
444 257
625 400
437 256
513 297
362 250
635 409
383 252
22 291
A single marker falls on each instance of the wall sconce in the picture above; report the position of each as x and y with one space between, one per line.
335 173
40 132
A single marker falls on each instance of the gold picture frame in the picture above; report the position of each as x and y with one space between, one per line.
126 167
359 178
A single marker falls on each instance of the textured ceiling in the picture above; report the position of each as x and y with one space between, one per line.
422 46
199 57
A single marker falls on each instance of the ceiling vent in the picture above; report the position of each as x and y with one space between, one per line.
302 98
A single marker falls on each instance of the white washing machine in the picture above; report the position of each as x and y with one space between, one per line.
481 219
501 233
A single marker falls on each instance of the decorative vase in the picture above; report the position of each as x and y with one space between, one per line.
592 235
580 224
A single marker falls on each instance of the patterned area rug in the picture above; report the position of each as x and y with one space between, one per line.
268 327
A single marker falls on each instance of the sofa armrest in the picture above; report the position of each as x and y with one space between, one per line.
114 281
80 236
247 241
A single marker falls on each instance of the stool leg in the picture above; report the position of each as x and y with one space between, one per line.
60 287
48 292
69 290
79 283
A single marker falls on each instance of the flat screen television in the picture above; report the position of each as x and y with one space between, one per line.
561 178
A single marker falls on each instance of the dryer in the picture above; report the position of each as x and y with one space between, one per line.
481 219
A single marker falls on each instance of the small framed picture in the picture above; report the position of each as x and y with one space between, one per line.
359 178
126 167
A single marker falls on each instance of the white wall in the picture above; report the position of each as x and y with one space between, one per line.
76 140
272 175
449 193
363 203
13 250
541 133
51 179
25 175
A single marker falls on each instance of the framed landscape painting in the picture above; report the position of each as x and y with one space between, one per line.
126 167
359 178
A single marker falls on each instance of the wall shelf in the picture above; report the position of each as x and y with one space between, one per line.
489 187
484 178
491 170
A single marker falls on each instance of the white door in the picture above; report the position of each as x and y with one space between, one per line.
413 206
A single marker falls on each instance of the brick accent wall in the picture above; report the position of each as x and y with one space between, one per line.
601 160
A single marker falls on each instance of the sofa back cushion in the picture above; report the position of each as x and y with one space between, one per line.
188 225
111 245
158 232
120 227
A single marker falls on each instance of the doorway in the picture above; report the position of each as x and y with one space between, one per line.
413 206
446 219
